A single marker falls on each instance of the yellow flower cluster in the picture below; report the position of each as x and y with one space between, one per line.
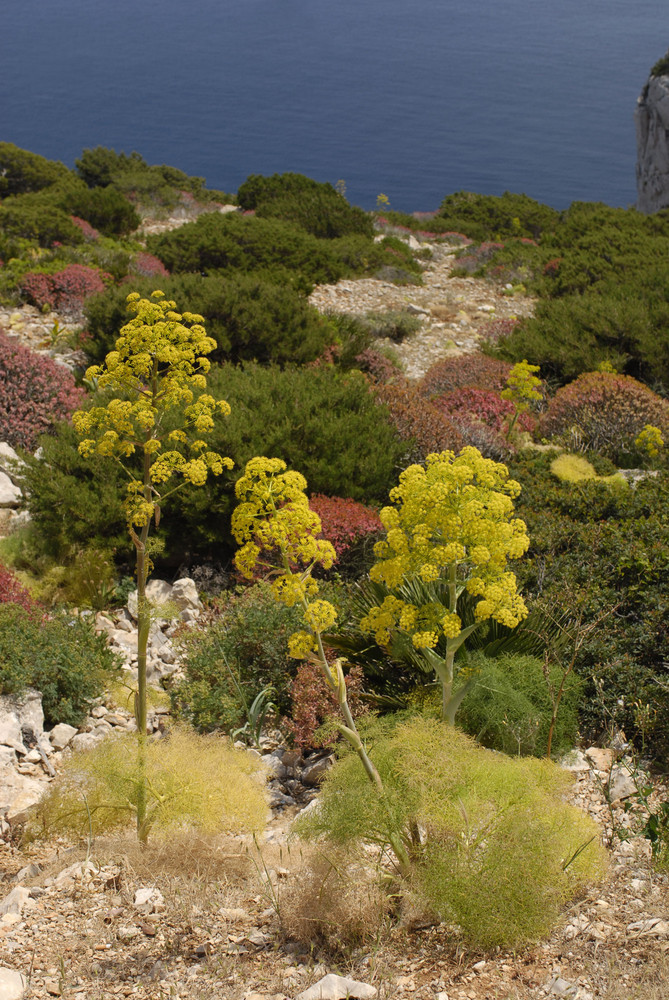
274 515
650 440
522 386
452 522
158 364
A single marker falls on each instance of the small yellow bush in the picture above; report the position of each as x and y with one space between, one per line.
193 782
577 469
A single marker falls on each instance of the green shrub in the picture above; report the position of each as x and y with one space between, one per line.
98 167
59 655
28 218
218 242
73 502
317 208
510 709
104 208
395 324
605 412
191 782
500 851
242 641
599 551
22 172
485 217
250 318
323 422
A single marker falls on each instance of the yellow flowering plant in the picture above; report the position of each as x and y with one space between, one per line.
650 441
451 529
273 517
522 389
158 367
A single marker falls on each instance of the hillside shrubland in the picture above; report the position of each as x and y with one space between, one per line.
354 564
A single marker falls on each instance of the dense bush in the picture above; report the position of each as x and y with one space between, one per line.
22 172
98 167
325 424
419 424
27 219
145 265
599 551
35 393
218 242
313 703
243 642
576 334
485 217
104 208
250 318
510 707
317 208
464 371
65 290
321 422
605 412
61 656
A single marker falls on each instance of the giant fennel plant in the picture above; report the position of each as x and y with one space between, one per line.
451 529
157 369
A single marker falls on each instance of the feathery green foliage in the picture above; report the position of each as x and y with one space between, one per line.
501 851
193 782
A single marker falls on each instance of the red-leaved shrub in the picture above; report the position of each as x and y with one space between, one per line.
313 702
90 233
483 406
12 590
344 522
65 290
425 428
605 412
462 370
35 393
376 365
147 266
494 329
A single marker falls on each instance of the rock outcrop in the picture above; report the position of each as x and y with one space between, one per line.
652 140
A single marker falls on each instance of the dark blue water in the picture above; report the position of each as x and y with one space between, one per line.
413 98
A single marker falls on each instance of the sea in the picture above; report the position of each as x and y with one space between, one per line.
413 99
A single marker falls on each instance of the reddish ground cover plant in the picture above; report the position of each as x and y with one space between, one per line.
345 523
464 370
605 411
12 590
313 702
376 365
90 233
65 290
495 329
147 266
35 393
483 406
425 428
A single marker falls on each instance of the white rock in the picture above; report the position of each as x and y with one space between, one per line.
12 984
15 901
84 741
19 811
62 735
185 596
10 495
15 787
602 759
17 711
333 987
622 784
575 761
149 900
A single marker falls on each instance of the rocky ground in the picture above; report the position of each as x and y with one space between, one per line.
191 919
